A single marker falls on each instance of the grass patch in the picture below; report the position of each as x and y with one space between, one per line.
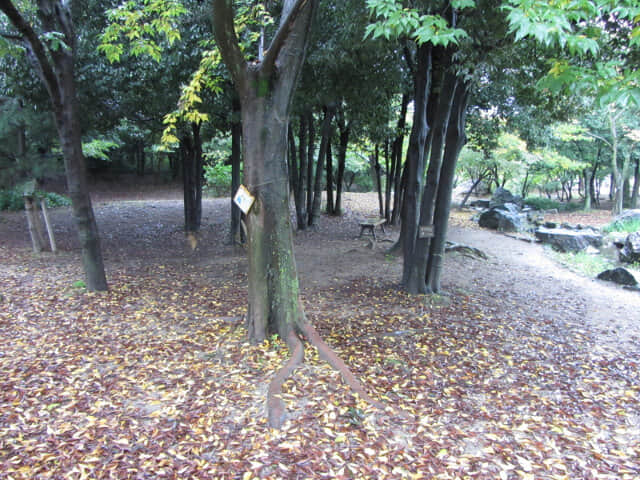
623 226
543 203
581 262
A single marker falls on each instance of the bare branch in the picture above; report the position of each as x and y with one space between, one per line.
36 48
227 40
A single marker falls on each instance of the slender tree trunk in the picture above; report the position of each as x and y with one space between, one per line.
378 177
587 180
329 112
235 230
455 140
301 211
636 185
56 70
395 175
192 178
342 161
329 177
310 164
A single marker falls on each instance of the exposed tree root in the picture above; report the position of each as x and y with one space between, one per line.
276 410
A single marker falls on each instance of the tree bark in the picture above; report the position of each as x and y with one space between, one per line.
455 140
330 176
395 174
192 178
301 210
636 185
266 89
342 160
378 177
56 70
329 112
310 163
235 232
415 166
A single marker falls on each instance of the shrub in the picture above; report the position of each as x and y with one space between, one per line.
582 262
218 178
13 199
543 203
629 225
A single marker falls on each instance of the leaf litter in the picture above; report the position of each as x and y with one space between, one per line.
155 379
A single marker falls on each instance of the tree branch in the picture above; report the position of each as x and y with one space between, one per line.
227 40
12 36
35 46
280 38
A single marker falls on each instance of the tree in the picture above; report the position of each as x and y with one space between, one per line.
265 88
52 54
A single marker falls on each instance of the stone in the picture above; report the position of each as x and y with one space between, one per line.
484 204
503 219
628 215
502 195
619 275
568 240
630 252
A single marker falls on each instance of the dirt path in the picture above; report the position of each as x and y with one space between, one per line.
518 278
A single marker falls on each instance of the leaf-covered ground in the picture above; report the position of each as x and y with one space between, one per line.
154 379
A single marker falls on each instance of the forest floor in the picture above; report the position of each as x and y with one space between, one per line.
519 369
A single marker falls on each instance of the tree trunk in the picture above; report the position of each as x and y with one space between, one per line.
587 180
342 161
310 163
299 194
378 177
636 185
55 68
455 140
329 112
329 177
236 233
415 168
395 175
191 144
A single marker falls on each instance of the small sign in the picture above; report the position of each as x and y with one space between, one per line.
243 199
426 231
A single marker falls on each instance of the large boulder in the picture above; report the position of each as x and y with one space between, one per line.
502 196
569 240
505 218
630 253
619 275
628 215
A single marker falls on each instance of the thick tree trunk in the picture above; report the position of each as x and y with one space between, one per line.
455 140
415 168
416 281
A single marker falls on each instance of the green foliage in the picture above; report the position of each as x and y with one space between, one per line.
217 175
140 25
12 199
394 21
544 203
98 148
582 263
628 225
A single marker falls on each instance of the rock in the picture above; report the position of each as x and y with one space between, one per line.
630 253
504 219
567 240
591 250
619 275
628 215
484 204
502 195
550 225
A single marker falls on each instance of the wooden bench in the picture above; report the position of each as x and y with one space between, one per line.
370 224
